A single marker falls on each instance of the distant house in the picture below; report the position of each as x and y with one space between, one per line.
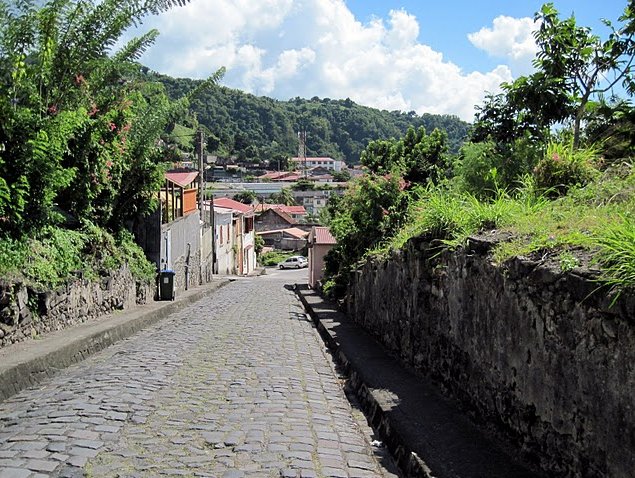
175 237
275 175
289 178
224 238
314 204
272 219
178 195
296 212
320 242
324 162
242 234
181 229
291 239
319 171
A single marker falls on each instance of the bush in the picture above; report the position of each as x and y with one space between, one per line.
563 167
478 167
272 258
57 255
484 168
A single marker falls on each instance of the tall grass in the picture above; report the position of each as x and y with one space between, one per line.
616 254
597 217
452 216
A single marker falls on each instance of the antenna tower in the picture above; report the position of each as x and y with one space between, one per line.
302 150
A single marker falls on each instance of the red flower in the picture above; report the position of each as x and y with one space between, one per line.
112 126
93 110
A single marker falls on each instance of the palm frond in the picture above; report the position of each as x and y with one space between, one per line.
208 83
136 47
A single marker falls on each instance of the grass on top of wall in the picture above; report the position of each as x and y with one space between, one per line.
598 218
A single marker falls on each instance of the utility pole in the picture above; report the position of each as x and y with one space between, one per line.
201 179
201 196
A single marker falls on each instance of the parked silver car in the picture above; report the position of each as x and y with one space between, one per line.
294 262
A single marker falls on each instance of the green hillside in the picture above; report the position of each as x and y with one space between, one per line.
261 128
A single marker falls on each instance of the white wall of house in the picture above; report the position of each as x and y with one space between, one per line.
224 241
232 243
328 163
249 252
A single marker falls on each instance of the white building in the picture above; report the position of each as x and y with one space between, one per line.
327 163
234 237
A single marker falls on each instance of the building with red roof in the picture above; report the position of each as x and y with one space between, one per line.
320 242
296 212
235 233
290 239
237 206
178 195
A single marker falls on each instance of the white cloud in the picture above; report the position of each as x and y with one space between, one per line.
509 38
306 48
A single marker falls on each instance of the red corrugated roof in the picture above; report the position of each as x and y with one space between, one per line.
296 232
275 174
292 209
322 235
291 177
235 205
292 231
281 207
182 179
263 206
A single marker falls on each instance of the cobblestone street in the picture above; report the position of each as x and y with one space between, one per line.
237 384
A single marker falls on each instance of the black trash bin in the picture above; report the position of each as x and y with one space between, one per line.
166 285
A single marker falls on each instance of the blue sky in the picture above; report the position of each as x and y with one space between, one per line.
426 56
446 31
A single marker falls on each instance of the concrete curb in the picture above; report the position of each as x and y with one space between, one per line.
27 363
427 435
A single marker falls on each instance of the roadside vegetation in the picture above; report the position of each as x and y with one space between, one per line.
548 166
83 143
273 258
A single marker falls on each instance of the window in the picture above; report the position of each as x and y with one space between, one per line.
249 224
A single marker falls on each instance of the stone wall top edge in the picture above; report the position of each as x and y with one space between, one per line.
581 282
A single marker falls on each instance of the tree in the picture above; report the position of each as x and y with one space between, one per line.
341 176
579 63
417 156
573 66
376 205
245 197
79 130
303 185
285 196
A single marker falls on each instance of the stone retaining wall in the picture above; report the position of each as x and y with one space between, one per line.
537 354
29 313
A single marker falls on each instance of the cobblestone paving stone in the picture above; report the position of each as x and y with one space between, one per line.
236 385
